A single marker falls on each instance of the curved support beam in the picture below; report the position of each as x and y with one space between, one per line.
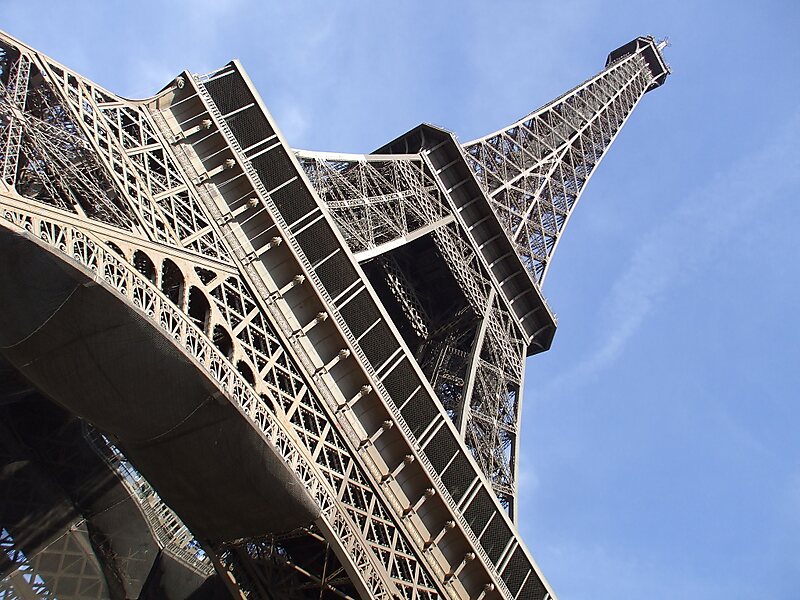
103 360
182 414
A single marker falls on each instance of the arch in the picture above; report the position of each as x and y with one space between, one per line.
222 340
198 308
246 372
145 266
172 281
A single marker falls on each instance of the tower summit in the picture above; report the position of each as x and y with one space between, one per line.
534 170
234 368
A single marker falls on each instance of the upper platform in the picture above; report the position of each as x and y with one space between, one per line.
651 51
480 221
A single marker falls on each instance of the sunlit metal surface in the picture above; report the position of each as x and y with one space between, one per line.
368 316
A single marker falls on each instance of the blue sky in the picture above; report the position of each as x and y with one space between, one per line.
661 454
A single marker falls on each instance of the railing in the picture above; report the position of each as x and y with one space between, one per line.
167 528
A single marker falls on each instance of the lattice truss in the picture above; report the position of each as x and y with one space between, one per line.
375 200
533 173
53 556
64 569
476 368
66 142
269 567
379 202
535 170
279 380
491 422
403 291
67 564
107 191
51 156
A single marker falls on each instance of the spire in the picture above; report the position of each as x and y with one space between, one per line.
534 170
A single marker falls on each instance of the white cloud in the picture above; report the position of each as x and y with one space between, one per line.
293 124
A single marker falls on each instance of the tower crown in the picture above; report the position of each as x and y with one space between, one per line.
650 50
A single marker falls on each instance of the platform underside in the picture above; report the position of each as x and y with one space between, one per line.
70 528
101 359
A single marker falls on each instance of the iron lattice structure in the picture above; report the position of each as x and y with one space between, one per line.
348 331
534 170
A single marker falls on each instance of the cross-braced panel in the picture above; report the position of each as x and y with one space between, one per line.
375 200
71 144
278 378
379 201
46 157
66 568
299 565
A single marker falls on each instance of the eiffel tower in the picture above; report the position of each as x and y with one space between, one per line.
233 369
